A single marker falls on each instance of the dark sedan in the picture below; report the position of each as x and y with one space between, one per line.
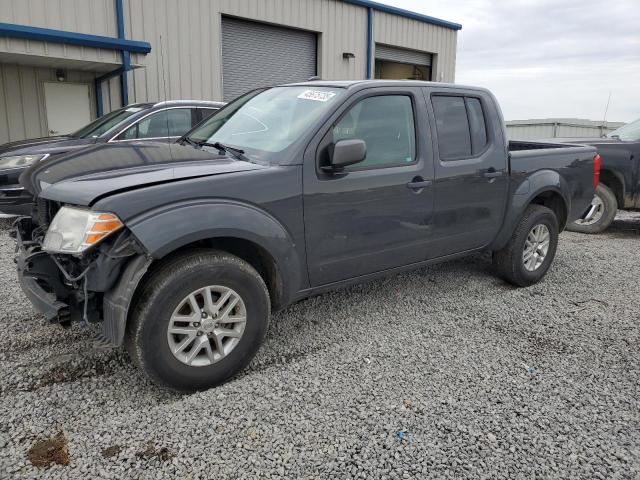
163 121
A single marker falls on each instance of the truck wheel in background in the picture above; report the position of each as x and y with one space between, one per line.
198 320
531 249
601 213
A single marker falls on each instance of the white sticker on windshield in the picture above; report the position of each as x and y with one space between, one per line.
317 95
133 109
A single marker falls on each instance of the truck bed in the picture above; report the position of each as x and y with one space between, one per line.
572 164
520 145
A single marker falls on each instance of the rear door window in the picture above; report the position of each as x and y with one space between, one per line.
477 126
173 122
461 127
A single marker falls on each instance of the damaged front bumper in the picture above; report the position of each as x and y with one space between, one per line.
97 287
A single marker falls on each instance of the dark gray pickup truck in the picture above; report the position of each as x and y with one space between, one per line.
181 251
619 177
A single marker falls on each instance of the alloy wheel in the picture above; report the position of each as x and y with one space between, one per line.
594 214
207 325
536 247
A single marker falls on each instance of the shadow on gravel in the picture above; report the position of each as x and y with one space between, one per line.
624 228
314 332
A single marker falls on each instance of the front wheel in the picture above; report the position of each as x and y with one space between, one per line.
531 249
199 320
600 214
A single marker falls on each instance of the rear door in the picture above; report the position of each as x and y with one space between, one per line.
471 177
375 215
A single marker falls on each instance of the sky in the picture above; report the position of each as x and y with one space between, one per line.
545 59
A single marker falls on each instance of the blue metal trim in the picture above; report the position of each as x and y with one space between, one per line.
370 45
72 38
124 81
126 61
98 83
120 18
405 13
111 74
99 109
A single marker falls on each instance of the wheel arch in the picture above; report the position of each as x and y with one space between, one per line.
614 181
254 254
241 229
553 200
545 187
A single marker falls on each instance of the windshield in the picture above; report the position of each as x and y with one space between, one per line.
105 123
629 132
267 121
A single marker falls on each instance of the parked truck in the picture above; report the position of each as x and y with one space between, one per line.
182 251
619 178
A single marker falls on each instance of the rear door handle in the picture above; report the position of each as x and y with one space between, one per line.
418 183
492 174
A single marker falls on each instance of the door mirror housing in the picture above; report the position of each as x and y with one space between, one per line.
347 152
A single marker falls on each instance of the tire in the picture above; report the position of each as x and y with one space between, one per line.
198 274
509 262
606 200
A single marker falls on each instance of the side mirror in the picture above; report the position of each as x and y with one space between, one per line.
347 152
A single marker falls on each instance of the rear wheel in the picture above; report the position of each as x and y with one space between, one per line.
199 320
531 249
600 214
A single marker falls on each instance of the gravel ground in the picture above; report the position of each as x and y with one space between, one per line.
444 372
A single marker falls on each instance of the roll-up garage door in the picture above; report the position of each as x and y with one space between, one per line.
401 55
257 55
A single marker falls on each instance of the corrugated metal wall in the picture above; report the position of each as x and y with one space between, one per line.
569 128
96 17
395 54
186 58
22 111
276 55
185 35
406 32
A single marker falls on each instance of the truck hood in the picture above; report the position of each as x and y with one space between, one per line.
51 145
85 176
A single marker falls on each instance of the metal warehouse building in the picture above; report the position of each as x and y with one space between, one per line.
65 62
559 128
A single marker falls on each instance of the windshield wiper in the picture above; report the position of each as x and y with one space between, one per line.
236 152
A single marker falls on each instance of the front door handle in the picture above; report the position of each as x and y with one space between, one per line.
492 174
418 183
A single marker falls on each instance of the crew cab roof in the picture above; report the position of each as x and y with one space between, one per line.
349 84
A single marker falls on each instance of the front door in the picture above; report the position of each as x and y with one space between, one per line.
471 178
375 215
67 106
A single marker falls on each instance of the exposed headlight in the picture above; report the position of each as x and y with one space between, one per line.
73 230
18 161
